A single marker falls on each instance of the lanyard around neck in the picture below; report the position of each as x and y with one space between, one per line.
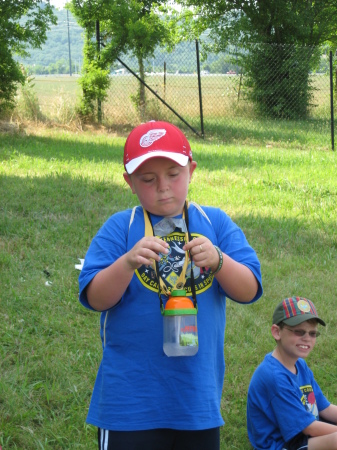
162 288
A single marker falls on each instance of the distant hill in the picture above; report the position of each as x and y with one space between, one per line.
54 54
53 57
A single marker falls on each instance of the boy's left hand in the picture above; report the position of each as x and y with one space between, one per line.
203 252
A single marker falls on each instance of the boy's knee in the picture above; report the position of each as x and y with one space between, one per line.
326 441
333 441
334 435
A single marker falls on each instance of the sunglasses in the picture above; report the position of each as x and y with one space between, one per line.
301 333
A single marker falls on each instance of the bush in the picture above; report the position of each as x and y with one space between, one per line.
28 107
279 80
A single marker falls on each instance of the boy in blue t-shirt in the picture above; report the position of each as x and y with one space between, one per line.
143 399
286 409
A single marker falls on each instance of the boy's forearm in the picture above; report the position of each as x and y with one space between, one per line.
329 414
237 280
107 287
318 428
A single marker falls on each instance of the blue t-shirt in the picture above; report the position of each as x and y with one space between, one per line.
281 404
137 386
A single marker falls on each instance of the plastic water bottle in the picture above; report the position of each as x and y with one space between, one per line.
180 336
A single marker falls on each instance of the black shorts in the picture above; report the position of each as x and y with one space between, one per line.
159 439
299 442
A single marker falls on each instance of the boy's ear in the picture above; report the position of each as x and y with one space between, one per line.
193 166
275 332
129 181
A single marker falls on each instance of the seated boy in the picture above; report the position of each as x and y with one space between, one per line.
286 409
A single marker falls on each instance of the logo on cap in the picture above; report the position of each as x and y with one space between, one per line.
303 306
150 137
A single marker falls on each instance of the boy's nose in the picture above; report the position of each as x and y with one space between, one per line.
162 184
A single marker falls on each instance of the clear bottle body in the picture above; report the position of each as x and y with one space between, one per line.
180 335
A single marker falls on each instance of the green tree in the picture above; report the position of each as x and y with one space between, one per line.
94 78
128 26
23 23
146 30
280 38
221 65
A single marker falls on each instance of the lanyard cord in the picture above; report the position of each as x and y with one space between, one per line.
191 259
194 295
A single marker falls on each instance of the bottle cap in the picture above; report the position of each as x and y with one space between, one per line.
178 293
178 304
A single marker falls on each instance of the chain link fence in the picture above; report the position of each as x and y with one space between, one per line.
269 93
266 94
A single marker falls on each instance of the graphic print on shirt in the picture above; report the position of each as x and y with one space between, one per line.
170 267
309 400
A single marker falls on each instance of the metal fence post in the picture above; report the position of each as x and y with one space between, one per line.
98 41
70 71
199 85
331 105
164 80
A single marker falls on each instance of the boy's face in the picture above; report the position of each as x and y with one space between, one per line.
161 185
290 344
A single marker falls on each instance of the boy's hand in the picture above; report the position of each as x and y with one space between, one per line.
145 252
203 252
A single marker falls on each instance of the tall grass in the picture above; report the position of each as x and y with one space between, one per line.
56 190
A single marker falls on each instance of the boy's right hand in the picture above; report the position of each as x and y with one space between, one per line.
108 286
146 251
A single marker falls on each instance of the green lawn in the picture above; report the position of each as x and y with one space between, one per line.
58 187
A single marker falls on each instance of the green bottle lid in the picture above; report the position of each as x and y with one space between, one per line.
178 293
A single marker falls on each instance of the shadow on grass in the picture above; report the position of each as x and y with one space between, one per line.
99 149
72 147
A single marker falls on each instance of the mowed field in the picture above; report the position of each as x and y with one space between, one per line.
220 93
227 114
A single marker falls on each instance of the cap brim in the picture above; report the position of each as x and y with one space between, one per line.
296 320
180 159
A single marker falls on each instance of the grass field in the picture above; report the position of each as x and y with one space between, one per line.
58 187
221 93
227 115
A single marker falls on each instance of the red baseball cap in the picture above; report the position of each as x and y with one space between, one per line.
153 140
